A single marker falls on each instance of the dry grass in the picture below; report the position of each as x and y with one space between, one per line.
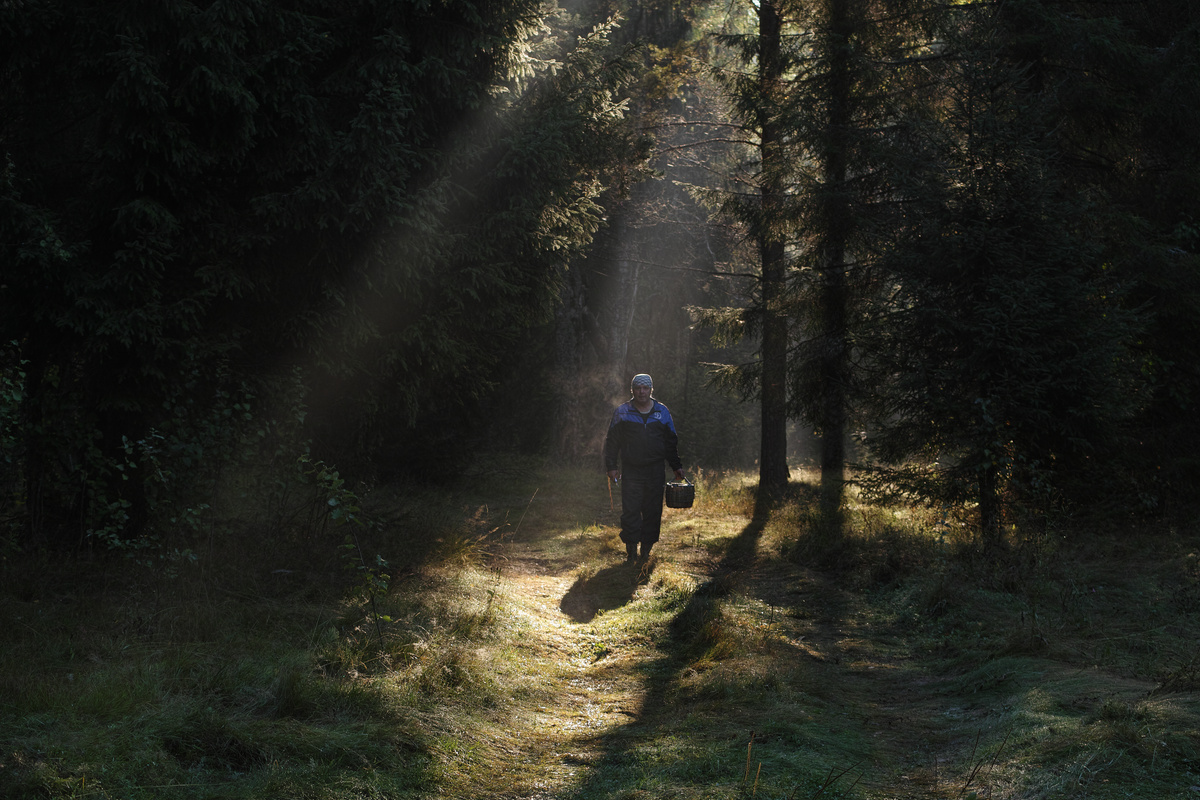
747 659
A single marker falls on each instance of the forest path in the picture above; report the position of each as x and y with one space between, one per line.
588 688
600 688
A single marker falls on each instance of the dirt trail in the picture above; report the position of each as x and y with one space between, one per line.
921 679
562 737
588 698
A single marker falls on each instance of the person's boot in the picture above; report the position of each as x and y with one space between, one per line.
646 550
631 551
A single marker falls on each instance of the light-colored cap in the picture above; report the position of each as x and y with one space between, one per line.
642 379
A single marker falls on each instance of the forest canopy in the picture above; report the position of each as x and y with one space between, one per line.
211 209
952 247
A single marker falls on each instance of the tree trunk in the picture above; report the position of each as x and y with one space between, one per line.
592 334
32 416
989 506
833 281
572 331
833 393
772 464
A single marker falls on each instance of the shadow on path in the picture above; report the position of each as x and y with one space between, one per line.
662 674
611 587
687 641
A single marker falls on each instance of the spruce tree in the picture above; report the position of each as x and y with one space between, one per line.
825 122
998 343
199 198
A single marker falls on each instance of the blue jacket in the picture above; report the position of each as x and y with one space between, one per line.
641 439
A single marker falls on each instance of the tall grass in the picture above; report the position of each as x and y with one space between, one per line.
756 656
261 671
1020 672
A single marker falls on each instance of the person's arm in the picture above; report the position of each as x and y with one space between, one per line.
671 440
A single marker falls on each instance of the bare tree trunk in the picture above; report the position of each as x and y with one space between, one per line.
833 394
32 417
834 293
989 506
772 465
592 335
572 332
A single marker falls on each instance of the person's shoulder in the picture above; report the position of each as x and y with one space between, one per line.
660 411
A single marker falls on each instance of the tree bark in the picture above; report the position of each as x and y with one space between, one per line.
989 506
623 301
772 464
833 287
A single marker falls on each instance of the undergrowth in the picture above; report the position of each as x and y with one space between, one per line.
757 656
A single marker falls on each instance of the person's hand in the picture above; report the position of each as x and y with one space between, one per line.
614 475
679 474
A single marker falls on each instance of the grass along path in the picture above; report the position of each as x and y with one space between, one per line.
716 670
524 660
723 669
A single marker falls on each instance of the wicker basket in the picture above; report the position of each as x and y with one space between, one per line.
680 494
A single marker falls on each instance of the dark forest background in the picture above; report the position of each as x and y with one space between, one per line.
947 251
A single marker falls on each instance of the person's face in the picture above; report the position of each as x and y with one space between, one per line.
641 394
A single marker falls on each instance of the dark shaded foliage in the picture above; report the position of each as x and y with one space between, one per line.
200 199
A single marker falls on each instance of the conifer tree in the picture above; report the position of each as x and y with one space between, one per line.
998 344
198 197
1130 129
823 122
768 237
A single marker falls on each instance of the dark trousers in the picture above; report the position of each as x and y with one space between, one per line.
641 503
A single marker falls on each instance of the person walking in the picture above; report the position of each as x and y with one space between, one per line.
641 436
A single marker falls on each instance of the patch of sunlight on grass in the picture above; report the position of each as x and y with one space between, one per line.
894 662
720 494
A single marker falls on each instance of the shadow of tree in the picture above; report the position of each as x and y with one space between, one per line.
688 638
685 632
687 627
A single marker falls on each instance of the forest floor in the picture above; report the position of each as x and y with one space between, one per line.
728 667
626 712
519 657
